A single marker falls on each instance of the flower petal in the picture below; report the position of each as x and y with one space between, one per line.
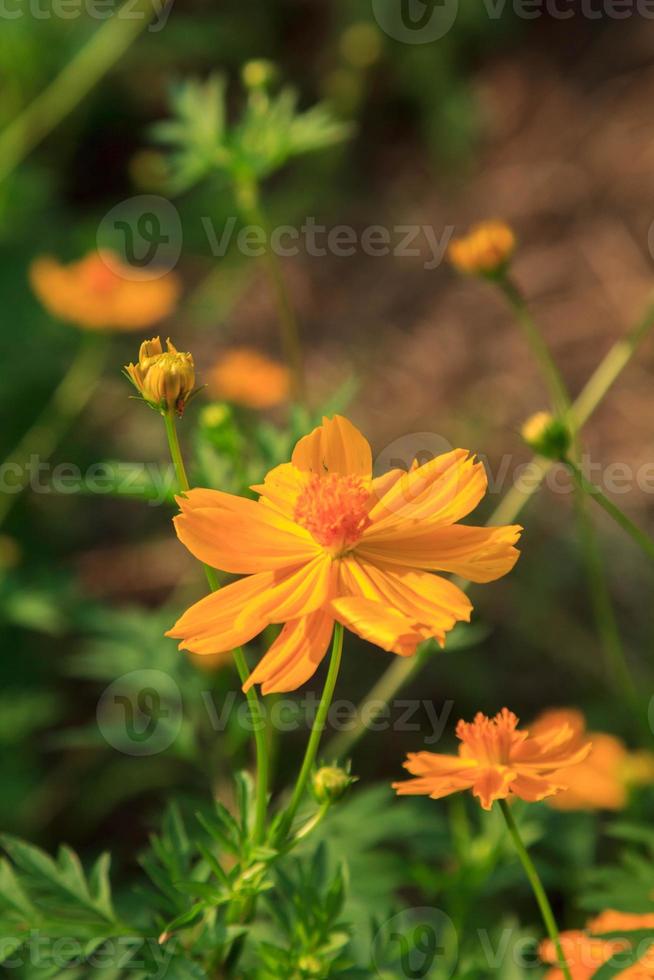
281 488
480 554
441 491
295 654
492 784
336 446
421 597
292 596
210 626
377 623
237 535
534 788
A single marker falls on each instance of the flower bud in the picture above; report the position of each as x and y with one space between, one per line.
165 380
547 436
258 73
485 251
330 783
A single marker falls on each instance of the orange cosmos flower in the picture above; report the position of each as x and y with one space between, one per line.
485 250
99 292
326 541
246 377
583 954
602 781
495 761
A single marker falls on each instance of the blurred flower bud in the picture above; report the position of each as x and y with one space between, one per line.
361 44
330 783
258 74
165 380
485 251
546 435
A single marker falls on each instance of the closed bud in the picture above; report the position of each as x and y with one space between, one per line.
165 379
547 436
485 251
330 783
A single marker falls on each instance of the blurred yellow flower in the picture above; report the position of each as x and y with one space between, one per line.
496 761
99 292
602 781
485 250
246 377
165 380
328 542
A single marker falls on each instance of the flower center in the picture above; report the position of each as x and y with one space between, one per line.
334 509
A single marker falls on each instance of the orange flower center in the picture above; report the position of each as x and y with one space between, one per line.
334 509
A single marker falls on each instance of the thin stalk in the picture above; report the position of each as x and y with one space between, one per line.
316 733
258 720
551 374
248 197
66 402
642 540
74 82
508 509
537 888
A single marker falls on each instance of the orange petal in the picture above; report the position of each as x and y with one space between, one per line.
295 654
480 554
281 488
293 596
534 788
492 784
237 535
421 597
336 446
377 623
441 491
210 626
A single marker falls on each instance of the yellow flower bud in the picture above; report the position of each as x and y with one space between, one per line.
165 379
485 251
330 783
546 435
258 73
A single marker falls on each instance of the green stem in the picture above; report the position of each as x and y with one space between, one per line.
642 540
67 401
537 887
258 720
508 509
74 82
316 733
247 194
551 374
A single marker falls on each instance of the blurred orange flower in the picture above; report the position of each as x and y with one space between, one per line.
327 542
602 781
485 250
583 954
495 761
246 377
99 292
